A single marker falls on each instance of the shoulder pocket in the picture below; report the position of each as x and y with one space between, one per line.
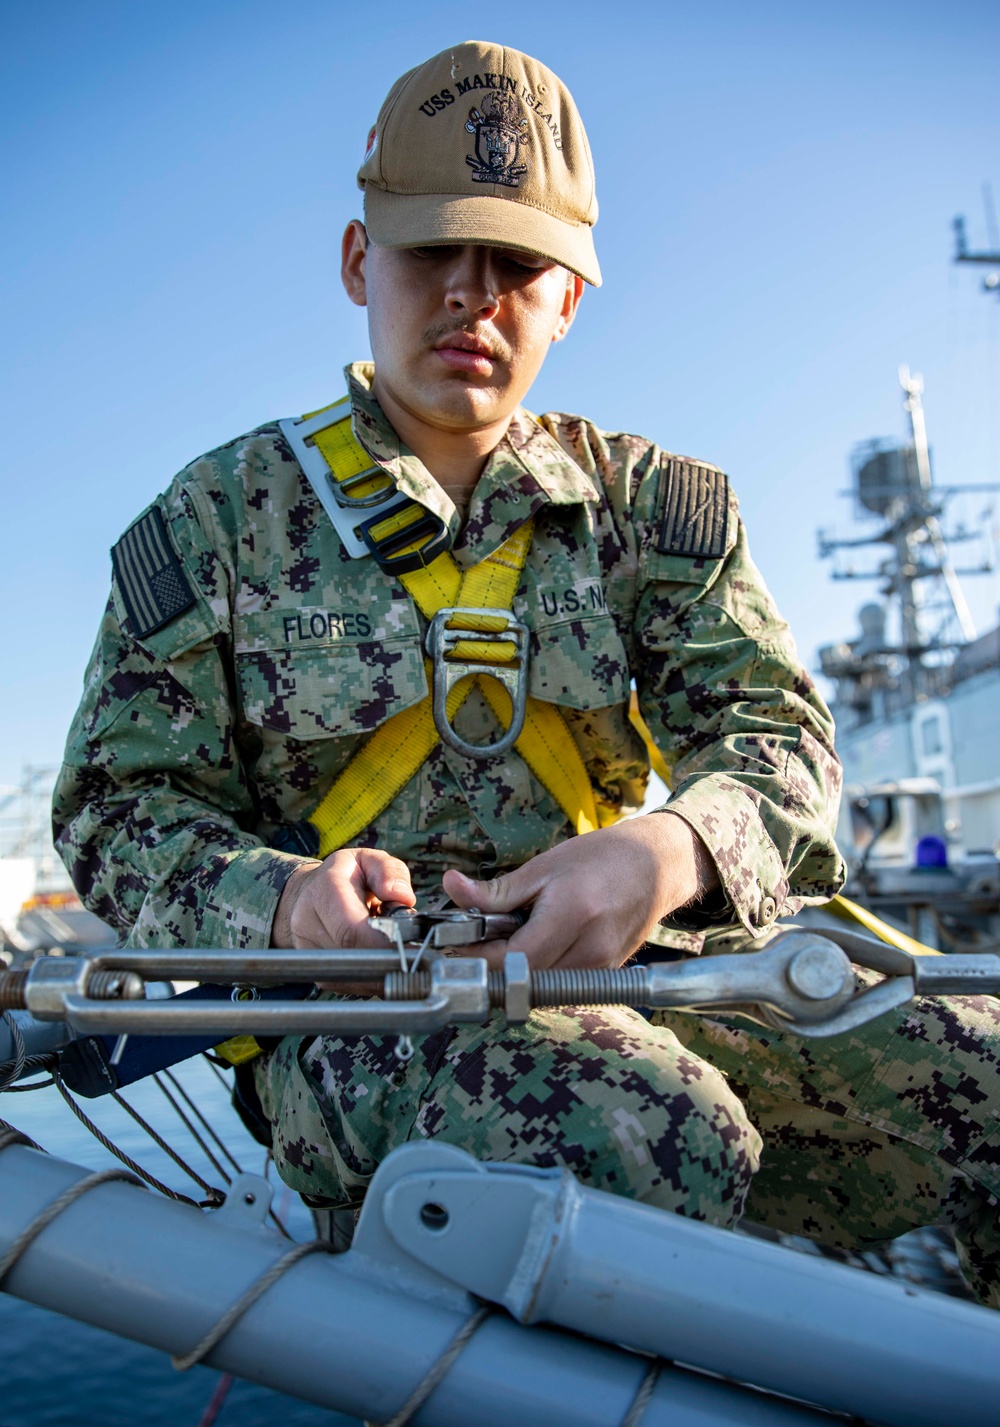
159 565
310 674
579 663
695 526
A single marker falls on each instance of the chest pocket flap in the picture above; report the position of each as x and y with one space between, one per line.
313 673
577 657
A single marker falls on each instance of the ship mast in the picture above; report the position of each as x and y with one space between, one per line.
913 387
991 257
895 483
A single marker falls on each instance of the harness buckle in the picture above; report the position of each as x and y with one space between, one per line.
384 547
342 508
342 489
450 667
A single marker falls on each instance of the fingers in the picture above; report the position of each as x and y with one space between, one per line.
564 929
329 905
546 936
594 899
495 894
384 876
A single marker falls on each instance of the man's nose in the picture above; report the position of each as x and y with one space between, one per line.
471 288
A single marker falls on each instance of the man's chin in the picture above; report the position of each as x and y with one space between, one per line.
463 406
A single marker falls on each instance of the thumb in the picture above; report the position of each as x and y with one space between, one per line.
495 894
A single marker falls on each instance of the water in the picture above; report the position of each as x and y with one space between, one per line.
59 1373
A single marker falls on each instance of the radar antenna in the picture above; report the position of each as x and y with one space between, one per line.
896 484
991 282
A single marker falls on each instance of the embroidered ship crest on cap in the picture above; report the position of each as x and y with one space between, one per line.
500 132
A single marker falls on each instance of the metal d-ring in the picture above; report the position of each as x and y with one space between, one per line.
449 670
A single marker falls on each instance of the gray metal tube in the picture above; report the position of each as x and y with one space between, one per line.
336 1331
856 1343
280 1018
39 1036
555 1252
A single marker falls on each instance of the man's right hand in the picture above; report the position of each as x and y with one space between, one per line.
327 904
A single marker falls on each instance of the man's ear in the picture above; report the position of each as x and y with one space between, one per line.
571 301
352 262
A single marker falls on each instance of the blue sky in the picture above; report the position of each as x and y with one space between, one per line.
777 183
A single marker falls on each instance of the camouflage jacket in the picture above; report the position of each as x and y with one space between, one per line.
193 744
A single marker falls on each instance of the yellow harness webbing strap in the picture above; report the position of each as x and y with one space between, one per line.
397 748
550 751
656 759
849 911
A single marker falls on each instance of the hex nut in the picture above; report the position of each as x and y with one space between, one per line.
517 988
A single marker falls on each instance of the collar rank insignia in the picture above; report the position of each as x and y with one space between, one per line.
500 132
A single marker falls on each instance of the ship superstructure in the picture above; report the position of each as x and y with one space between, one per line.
918 697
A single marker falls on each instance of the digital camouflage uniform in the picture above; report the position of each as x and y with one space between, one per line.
196 743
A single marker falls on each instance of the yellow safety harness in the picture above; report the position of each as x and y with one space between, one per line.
475 643
478 645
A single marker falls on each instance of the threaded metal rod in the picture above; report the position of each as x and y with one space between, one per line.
115 985
592 986
12 984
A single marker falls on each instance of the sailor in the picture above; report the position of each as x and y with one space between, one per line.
266 751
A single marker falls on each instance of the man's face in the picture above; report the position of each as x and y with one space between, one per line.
459 333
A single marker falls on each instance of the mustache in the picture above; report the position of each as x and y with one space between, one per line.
498 348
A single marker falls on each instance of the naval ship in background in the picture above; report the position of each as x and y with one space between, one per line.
917 693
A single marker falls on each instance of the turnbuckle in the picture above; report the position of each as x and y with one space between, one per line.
450 667
801 982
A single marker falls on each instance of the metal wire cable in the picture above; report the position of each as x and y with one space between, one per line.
196 1109
439 1369
210 1060
172 1102
31 1066
11 1135
213 1062
209 1127
112 1148
215 1196
641 1401
20 1053
53 1210
215 1334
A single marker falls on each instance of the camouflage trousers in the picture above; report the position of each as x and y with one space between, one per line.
875 1132
851 1140
600 1092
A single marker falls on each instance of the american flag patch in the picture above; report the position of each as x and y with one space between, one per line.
696 511
150 577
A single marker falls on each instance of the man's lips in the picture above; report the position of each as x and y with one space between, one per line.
464 353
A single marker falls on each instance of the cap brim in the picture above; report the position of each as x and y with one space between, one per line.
410 220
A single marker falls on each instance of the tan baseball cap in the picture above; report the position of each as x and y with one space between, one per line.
482 144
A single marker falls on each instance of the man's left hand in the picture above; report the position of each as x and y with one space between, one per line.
595 899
